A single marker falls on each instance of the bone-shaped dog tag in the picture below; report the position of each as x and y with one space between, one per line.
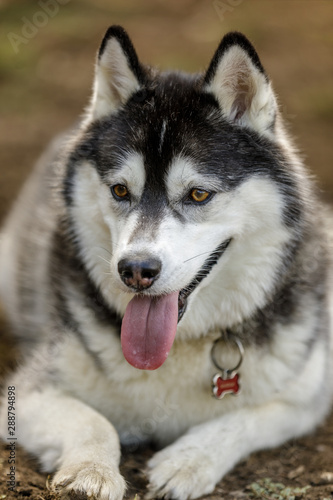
225 383
227 380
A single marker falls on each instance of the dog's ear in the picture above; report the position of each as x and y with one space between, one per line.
118 73
238 81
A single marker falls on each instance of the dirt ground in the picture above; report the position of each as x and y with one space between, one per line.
45 81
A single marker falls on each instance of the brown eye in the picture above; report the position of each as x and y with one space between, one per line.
199 195
120 192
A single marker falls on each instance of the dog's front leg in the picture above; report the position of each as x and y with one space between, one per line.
193 465
72 439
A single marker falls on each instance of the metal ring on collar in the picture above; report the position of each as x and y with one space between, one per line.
241 354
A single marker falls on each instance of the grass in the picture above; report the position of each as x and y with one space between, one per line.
266 489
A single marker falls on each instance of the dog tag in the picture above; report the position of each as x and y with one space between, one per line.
227 380
225 383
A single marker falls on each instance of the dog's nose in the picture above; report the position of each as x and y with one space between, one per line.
139 274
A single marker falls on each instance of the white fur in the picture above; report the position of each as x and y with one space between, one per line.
276 404
237 84
163 130
114 81
82 445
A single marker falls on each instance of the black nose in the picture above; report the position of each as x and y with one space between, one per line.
139 274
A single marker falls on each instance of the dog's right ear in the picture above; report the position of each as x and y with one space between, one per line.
118 73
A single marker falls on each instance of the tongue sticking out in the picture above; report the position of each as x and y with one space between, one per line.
148 330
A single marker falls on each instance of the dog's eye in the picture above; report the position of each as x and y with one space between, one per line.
120 192
199 195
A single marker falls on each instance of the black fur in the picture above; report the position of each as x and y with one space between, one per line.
120 34
195 129
66 256
229 40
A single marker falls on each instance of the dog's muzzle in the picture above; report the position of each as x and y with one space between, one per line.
139 274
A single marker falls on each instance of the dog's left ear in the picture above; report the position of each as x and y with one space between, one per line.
118 73
238 81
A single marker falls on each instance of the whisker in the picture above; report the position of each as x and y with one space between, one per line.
105 260
199 255
105 250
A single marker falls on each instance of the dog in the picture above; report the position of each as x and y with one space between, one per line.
167 270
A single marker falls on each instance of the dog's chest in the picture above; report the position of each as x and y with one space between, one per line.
143 405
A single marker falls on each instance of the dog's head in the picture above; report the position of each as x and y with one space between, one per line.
178 182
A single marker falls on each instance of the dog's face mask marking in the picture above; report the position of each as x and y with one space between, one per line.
161 248
171 154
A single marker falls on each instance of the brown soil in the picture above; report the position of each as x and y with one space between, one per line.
44 87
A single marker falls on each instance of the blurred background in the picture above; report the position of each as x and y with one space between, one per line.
48 48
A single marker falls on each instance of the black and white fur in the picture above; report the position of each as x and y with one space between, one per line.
163 135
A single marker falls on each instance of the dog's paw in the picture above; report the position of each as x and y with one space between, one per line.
88 479
181 472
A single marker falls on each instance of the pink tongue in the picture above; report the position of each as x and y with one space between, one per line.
148 330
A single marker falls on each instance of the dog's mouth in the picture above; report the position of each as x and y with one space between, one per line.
203 272
150 323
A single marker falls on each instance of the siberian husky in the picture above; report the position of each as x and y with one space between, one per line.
167 270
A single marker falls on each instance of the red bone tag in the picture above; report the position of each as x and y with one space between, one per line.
225 385
227 380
